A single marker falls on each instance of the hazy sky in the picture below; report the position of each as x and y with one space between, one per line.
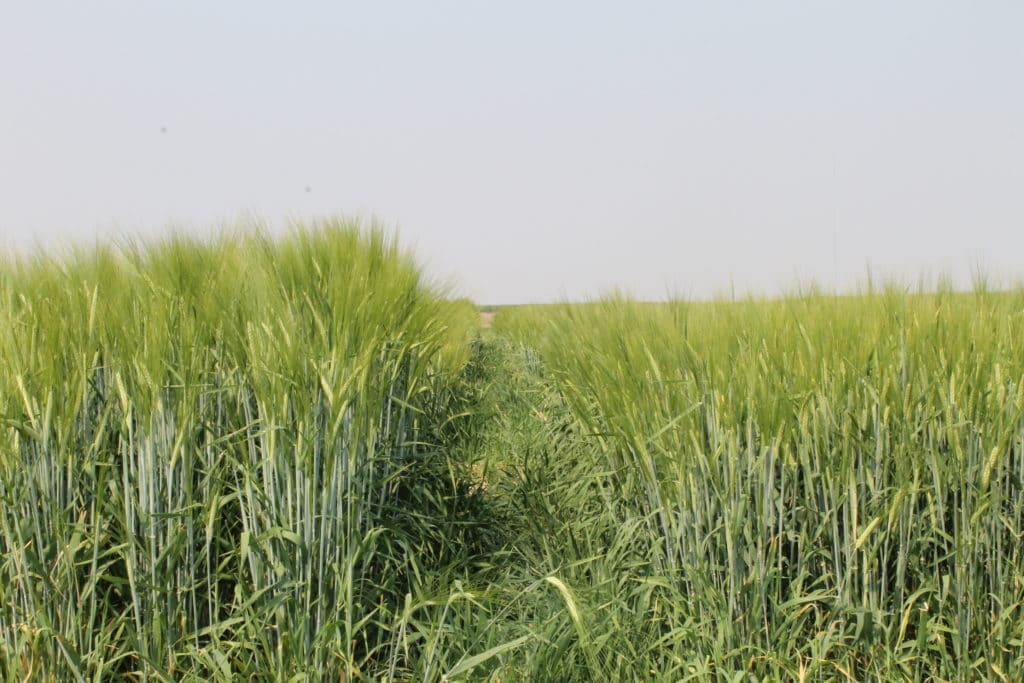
535 150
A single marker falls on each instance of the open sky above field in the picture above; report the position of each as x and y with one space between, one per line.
535 150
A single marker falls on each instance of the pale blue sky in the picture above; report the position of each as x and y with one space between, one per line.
535 150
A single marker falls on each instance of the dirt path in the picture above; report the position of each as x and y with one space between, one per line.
487 319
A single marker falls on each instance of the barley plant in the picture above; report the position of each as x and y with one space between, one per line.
295 458
821 488
211 451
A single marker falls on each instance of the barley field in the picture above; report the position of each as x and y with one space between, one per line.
297 458
826 488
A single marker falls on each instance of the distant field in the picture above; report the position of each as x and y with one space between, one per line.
294 459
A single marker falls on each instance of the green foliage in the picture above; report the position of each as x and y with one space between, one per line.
830 487
295 459
210 451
